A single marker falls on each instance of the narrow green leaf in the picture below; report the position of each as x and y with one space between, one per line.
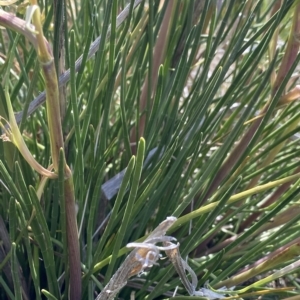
79 174
48 295
40 228
13 220
15 273
32 266
110 225
6 288
129 206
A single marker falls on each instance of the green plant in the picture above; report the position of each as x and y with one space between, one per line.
154 109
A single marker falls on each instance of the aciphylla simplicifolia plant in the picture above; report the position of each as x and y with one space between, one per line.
208 208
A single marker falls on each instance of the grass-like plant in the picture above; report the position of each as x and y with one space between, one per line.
164 163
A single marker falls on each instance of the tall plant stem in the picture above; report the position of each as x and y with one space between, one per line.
56 141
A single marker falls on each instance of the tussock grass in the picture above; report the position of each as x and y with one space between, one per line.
154 109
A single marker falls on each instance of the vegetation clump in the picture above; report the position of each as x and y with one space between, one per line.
149 149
